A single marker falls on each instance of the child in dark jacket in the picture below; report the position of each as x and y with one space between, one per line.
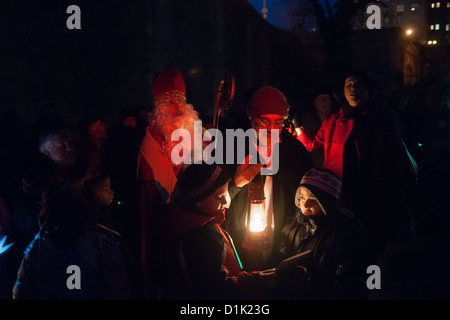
334 243
201 260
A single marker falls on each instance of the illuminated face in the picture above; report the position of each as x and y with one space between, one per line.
61 150
97 130
169 117
102 193
268 122
309 204
214 205
356 91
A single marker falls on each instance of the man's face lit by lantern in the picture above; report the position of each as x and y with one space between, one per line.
263 125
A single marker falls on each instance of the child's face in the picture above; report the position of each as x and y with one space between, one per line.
102 193
214 205
308 203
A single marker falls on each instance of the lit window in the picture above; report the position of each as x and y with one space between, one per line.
430 42
434 41
438 4
414 6
448 4
436 27
432 5
432 27
447 27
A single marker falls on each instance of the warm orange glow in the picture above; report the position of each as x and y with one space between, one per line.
258 219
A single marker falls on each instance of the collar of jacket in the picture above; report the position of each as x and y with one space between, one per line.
350 113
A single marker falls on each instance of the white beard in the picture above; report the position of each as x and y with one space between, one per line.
165 122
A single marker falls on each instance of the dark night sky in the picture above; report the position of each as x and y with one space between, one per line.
111 61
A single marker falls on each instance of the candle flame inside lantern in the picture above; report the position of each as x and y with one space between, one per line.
257 218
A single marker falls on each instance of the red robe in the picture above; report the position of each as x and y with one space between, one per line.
156 181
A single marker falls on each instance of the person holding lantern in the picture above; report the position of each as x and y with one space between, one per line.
157 174
267 195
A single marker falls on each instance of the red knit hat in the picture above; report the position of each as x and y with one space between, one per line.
268 100
169 86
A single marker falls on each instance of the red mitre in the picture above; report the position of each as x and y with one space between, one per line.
169 86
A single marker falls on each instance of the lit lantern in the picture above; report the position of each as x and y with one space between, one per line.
258 238
256 221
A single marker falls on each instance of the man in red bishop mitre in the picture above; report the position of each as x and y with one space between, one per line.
157 172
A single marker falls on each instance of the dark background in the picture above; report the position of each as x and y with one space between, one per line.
110 63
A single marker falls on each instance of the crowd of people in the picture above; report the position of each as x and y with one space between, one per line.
362 179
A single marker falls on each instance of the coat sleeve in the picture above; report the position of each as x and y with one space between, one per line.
233 189
343 260
312 143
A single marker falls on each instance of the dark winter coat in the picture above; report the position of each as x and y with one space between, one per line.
104 271
199 262
336 267
69 237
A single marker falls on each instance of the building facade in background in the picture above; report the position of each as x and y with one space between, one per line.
426 21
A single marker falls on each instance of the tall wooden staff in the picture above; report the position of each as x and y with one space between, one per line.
225 95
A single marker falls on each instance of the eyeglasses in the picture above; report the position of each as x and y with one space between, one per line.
264 122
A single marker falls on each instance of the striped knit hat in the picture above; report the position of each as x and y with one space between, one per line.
200 180
324 185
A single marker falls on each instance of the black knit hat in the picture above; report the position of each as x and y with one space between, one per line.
200 180
324 185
